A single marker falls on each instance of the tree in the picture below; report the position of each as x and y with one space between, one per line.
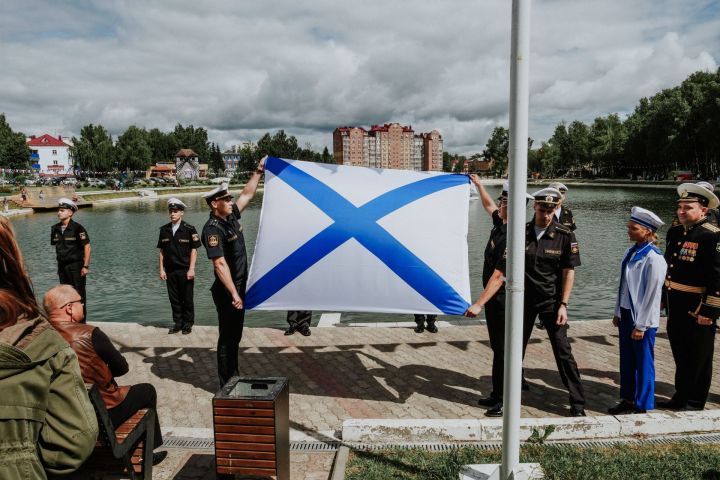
133 152
162 145
497 149
193 138
14 152
94 150
216 162
326 157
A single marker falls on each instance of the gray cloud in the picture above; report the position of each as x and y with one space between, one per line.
243 68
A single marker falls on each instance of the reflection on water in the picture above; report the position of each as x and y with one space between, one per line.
123 285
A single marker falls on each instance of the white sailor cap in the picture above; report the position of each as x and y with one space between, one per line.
176 204
707 185
645 218
548 196
691 192
67 203
506 189
559 186
217 193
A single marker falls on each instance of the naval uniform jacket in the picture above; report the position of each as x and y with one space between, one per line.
545 259
643 275
693 259
224 238
495 253
70 244
566 218
177 248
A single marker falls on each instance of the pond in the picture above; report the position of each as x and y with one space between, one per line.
124 286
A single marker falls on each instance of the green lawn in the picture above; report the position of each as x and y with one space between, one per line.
677 461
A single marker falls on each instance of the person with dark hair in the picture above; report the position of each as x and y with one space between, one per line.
100 361
72 248
47 423
224 242
178 243
692 296
637 313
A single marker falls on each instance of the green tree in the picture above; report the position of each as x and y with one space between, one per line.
607 145
94 150
193 138
497 149
14 152
133 152
326 157
578 145
216 162
162 145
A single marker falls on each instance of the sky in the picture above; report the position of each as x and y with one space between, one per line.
243 68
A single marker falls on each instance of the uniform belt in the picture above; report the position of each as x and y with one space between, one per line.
683 288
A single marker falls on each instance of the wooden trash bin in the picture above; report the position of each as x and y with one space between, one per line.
252 428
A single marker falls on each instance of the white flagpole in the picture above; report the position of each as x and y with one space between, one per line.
519 69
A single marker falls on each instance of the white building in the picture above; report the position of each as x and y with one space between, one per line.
51 153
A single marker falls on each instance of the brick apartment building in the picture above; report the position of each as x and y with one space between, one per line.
388 146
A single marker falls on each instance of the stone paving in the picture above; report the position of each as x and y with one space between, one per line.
340 373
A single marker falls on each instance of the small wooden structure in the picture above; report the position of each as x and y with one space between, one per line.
252 430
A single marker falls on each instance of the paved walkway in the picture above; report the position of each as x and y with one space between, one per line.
340 373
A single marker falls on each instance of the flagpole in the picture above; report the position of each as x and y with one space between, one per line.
519 71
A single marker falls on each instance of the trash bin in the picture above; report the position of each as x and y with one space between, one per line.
252 427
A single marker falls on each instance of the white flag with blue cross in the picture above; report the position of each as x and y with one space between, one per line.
356 239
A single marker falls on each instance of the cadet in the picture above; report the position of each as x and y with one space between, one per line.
563 214
72 248
178 244
223 239
551 255
692 288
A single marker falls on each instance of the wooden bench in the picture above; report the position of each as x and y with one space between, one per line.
129 446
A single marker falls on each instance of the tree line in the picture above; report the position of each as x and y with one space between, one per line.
676 129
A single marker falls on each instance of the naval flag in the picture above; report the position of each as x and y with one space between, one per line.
343 238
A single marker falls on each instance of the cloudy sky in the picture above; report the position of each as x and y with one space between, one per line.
241 68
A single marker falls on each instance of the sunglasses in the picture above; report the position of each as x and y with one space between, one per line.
70 303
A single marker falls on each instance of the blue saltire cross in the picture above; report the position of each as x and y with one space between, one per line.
361 224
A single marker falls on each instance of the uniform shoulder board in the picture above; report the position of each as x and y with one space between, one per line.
213 223
711 227
563 229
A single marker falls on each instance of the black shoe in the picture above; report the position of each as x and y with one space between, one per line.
525 386
186 330
419 329
304 331
488 401
694 406
174 330
496 411
622 408
431 327
539 325
577 412
159 457
290 330
672 404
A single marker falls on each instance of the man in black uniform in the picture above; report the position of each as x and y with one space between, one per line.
563 215
72 248
223 239
178 244
551 254
299 321
425 322
692 296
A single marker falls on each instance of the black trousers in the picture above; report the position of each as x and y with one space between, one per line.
180 292
230 324
495 317
139 396
693 347
420 319
69 274
298 318
564 359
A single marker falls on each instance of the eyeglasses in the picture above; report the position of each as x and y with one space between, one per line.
80 301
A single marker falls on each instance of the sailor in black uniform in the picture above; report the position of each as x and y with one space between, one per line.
223 239
72 248
178 244
563 215
692 296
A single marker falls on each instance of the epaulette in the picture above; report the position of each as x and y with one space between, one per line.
711 227
213 222
563 229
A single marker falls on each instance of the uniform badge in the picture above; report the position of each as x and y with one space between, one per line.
213 240
574 248
195 237
83 235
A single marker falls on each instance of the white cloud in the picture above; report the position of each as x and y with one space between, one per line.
243 68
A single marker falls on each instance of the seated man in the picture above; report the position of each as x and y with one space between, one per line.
100 361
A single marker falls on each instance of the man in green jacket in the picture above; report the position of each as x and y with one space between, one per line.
47 423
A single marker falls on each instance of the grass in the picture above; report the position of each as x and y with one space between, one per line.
676 461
